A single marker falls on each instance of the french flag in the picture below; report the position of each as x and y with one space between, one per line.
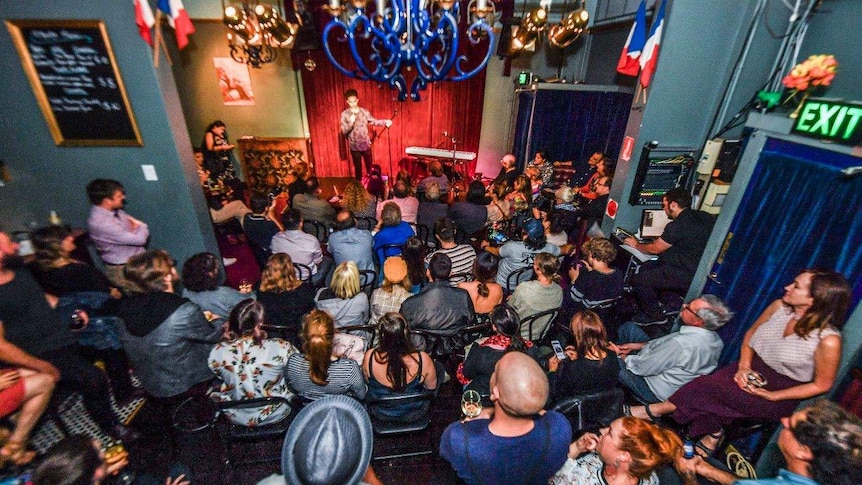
144 19
650 56
179 20
628 63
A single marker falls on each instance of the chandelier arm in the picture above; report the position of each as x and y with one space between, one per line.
474 39
335 23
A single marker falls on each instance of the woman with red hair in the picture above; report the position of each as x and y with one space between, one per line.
625 453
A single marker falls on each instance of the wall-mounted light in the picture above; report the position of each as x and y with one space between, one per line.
570 28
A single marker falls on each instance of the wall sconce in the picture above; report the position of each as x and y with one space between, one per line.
256 31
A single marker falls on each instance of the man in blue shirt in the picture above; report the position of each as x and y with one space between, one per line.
821 445
349 243
520 444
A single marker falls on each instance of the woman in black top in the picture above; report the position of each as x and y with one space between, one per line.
590 366
475 372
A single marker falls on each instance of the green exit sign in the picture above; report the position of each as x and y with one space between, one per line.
830 120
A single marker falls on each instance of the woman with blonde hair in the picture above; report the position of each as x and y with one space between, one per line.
343 299
590 366
625 453
317 372
284 297
249 364
358 200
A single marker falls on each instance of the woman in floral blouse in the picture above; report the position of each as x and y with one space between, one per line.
250 365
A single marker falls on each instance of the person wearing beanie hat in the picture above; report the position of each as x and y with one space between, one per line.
395 289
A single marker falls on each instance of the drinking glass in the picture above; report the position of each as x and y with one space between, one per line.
471 403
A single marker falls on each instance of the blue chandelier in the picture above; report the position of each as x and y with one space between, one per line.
407 35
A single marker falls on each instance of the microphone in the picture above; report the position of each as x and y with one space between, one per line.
446 134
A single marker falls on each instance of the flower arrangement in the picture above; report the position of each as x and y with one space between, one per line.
818 70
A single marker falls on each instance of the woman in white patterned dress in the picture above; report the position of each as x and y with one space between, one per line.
250 365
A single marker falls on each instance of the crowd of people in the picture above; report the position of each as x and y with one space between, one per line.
380 309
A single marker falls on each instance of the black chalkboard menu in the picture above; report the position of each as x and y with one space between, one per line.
656 175
71 67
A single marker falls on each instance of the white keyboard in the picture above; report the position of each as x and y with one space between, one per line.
440 153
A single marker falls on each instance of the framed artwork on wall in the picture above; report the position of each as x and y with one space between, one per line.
234 82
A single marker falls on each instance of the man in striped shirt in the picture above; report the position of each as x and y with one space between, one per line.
462 255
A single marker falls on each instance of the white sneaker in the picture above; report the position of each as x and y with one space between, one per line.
228 261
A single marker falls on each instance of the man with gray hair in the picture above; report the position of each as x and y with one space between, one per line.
655 369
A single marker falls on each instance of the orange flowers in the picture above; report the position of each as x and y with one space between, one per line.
817 70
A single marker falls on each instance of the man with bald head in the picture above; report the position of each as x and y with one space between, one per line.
349 243
520 443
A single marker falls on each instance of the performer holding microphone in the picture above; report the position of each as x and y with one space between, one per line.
354 125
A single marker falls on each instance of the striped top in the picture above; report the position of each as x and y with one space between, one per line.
345 377
462 256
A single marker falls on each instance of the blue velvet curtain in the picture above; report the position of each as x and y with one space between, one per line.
798 212
571 125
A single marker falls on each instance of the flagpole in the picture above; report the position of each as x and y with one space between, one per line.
160 41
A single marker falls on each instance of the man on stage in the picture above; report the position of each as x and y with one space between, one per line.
354 125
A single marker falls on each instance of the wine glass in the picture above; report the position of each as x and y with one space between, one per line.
245 286
471 403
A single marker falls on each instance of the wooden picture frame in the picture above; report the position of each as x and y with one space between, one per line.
76 81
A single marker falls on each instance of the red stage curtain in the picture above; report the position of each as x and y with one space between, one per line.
452 107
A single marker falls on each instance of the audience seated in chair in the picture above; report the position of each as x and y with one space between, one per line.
84 291
343 300
318 372
461 255
303 248
311 206
348 243
821 444
593 280
499 208
408 206
431 209
284 297
475 372
262 223
590 366
795 346
357 200
515 255
394 367
248 364
539 295
520 443
484 291
24 393
167 337
33 327
390 231
439 306
414 255
395 289
200 281
627 451
654 369
470 215
679 249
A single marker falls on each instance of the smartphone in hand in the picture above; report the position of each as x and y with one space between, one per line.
558 349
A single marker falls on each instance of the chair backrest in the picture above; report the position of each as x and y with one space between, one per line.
316 229
436 343
539 320
303 271
367 281
385 251
365 222
368 331
424 233
591 411
395 402
456 278
518 276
